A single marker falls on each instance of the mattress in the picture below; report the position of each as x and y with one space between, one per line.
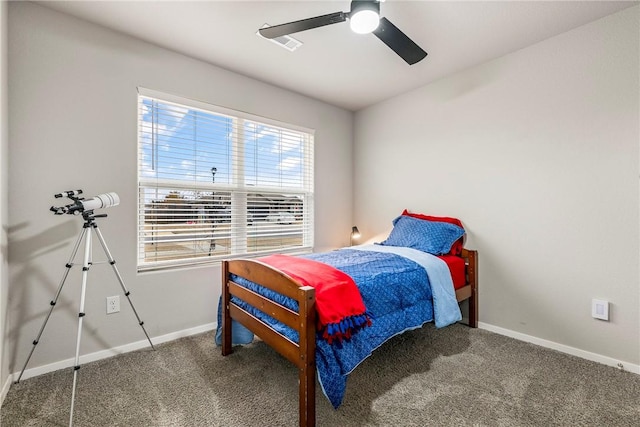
457 267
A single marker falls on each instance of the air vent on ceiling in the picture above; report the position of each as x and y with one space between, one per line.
286 42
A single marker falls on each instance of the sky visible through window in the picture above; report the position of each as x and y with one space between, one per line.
181 143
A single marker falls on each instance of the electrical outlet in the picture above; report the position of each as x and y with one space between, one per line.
113 304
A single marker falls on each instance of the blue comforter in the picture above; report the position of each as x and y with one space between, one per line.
402 289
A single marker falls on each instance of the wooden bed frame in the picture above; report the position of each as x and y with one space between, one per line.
304 321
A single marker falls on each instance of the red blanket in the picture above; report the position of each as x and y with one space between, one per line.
341 311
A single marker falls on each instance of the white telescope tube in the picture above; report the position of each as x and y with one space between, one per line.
101 201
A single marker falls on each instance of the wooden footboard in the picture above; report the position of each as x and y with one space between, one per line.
304 320
303 354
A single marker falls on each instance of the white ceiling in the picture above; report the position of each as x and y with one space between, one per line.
335 65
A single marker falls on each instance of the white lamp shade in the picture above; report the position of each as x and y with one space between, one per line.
364 21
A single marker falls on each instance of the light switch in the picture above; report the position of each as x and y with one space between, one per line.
600 309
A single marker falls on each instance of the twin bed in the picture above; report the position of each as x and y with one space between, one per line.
403 285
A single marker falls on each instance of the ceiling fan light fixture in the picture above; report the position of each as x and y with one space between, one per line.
364 17
364 22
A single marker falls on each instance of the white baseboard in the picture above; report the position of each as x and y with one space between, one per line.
92 357
594 357
5 389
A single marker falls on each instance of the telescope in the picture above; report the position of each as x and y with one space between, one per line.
81 205
84 207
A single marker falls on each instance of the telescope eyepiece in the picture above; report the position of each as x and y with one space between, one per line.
70 194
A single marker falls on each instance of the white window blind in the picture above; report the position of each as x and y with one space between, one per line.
215 183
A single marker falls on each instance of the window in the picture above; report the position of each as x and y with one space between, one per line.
215 183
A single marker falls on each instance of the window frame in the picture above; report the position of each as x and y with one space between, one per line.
238 189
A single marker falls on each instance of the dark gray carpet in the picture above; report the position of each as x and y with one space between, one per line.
455 376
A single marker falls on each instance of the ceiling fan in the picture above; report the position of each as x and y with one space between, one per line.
364 17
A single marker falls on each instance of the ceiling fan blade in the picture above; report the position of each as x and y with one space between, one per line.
302 25
399 42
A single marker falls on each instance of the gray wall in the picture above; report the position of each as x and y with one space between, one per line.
4 209
73 125
537 152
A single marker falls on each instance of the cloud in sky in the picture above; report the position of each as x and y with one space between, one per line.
289 163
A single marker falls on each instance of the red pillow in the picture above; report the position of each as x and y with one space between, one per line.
456 248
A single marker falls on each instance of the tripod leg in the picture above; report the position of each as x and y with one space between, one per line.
124 288
55 300
85 273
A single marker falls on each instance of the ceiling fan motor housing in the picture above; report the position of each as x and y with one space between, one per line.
357 5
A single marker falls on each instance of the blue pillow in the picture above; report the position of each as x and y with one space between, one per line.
435 238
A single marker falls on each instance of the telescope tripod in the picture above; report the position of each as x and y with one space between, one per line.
89 225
